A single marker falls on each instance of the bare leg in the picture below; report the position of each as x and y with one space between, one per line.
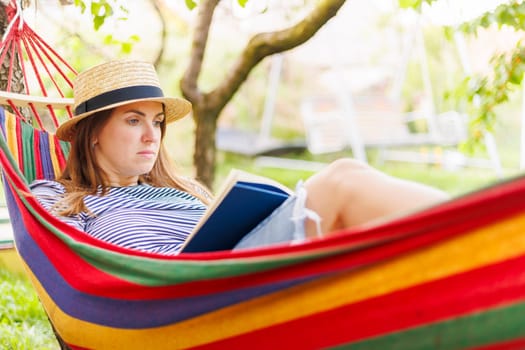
349 192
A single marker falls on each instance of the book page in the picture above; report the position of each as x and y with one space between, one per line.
233 177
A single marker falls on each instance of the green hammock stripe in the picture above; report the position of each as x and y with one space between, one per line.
27 145
138 270
489 327
155 272
64 146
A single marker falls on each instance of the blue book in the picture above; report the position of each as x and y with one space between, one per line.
243 201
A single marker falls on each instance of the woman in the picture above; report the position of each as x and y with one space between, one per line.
118 185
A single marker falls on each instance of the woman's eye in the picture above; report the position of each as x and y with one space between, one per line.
157 123
133 121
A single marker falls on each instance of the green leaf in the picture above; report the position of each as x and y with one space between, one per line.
95 8
410 3
81 4
448 31
415 4
98 21
108 10
108 39
516 75
126 48
190 4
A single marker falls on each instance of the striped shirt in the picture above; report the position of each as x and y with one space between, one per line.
151 219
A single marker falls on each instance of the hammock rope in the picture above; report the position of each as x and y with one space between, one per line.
22 44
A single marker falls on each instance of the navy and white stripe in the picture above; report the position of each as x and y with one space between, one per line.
152 219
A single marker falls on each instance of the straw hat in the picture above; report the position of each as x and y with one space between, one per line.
117 83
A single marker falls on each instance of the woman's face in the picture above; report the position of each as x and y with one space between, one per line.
128 144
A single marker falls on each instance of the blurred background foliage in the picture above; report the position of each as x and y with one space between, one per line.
103 29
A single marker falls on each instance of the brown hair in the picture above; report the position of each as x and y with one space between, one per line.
83 176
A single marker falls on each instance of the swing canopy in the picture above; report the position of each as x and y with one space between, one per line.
448 277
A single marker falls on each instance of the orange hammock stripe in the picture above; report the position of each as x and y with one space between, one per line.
329 293
57 167
12 138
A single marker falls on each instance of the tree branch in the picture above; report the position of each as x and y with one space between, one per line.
157 4
266 44
188 83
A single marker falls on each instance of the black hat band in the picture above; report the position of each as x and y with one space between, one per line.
119 95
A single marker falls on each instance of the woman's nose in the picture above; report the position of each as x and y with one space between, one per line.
150 134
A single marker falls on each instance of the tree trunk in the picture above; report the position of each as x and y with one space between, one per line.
205 148
208 106
17 81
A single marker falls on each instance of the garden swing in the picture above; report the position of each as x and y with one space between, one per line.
448 277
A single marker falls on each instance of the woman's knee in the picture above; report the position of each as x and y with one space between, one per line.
344 172
341 177
346 166
336 189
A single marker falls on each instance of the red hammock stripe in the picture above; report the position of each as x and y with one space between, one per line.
493 286
59 154
516 344
64 259
334 264
108 311
18 131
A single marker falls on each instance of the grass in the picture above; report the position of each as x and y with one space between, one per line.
23 323
454 182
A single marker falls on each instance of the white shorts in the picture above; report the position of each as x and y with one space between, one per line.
284 224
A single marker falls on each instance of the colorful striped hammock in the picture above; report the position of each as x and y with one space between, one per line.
449 277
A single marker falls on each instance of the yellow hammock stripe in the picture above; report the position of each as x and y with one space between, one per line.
53 154
488 245
10 127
